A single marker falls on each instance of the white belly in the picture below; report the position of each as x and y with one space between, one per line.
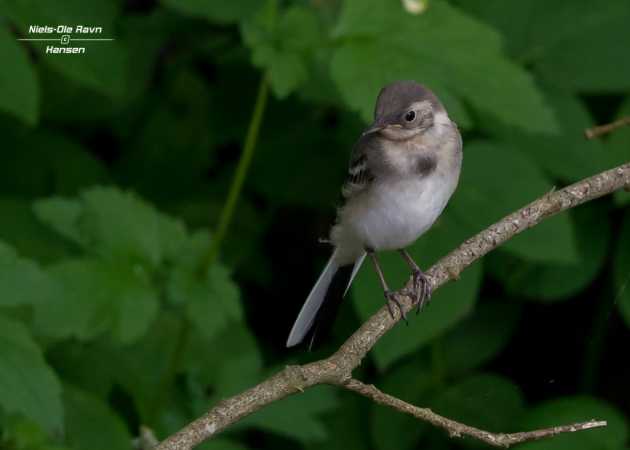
392 215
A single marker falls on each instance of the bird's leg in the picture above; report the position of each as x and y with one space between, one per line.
390 296
421 283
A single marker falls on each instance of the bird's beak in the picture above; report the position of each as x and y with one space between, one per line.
374 128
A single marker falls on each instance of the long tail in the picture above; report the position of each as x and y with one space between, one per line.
322 303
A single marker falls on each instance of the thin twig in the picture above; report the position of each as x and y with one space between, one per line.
241 171
457 429
146 440
600 130
337 369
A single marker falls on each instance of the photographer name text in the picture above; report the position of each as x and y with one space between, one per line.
65 35
64 29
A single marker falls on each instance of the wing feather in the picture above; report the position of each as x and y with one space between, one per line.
360 175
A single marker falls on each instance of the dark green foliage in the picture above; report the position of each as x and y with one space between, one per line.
115 166
28 385
19 91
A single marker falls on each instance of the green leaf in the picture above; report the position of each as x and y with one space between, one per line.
567 155
577 44
345 425
479 337
20 433
221 444
22 282
297 416
62 164
532 29
387 425
144 36
463 51
156 349
236 363
21 229
103 65
121 226
91 367
19 91
220 12
98 297
70 165
116 225
490 190
488 401
449 305
622 271
485 401
69 102
62 215
283 49
91 424
27 384
211 302
605 69
102 68
557 281
567 410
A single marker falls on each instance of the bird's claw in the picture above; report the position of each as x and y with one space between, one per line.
422 290
391 297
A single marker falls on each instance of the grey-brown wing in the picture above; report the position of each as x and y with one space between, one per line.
360 174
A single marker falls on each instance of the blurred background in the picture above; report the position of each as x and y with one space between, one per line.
131 295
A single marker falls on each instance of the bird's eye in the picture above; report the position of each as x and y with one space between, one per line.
410 116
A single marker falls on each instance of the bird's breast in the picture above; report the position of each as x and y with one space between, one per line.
392 215
402 211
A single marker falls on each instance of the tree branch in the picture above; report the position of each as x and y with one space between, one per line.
337 369
457 429
600 130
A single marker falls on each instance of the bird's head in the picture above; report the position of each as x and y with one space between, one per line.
404 109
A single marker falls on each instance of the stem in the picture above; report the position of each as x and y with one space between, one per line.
458 429
241 171
167 378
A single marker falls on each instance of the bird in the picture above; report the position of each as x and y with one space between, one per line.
403 170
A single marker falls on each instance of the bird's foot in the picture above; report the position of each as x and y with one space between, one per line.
391 297
422 289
